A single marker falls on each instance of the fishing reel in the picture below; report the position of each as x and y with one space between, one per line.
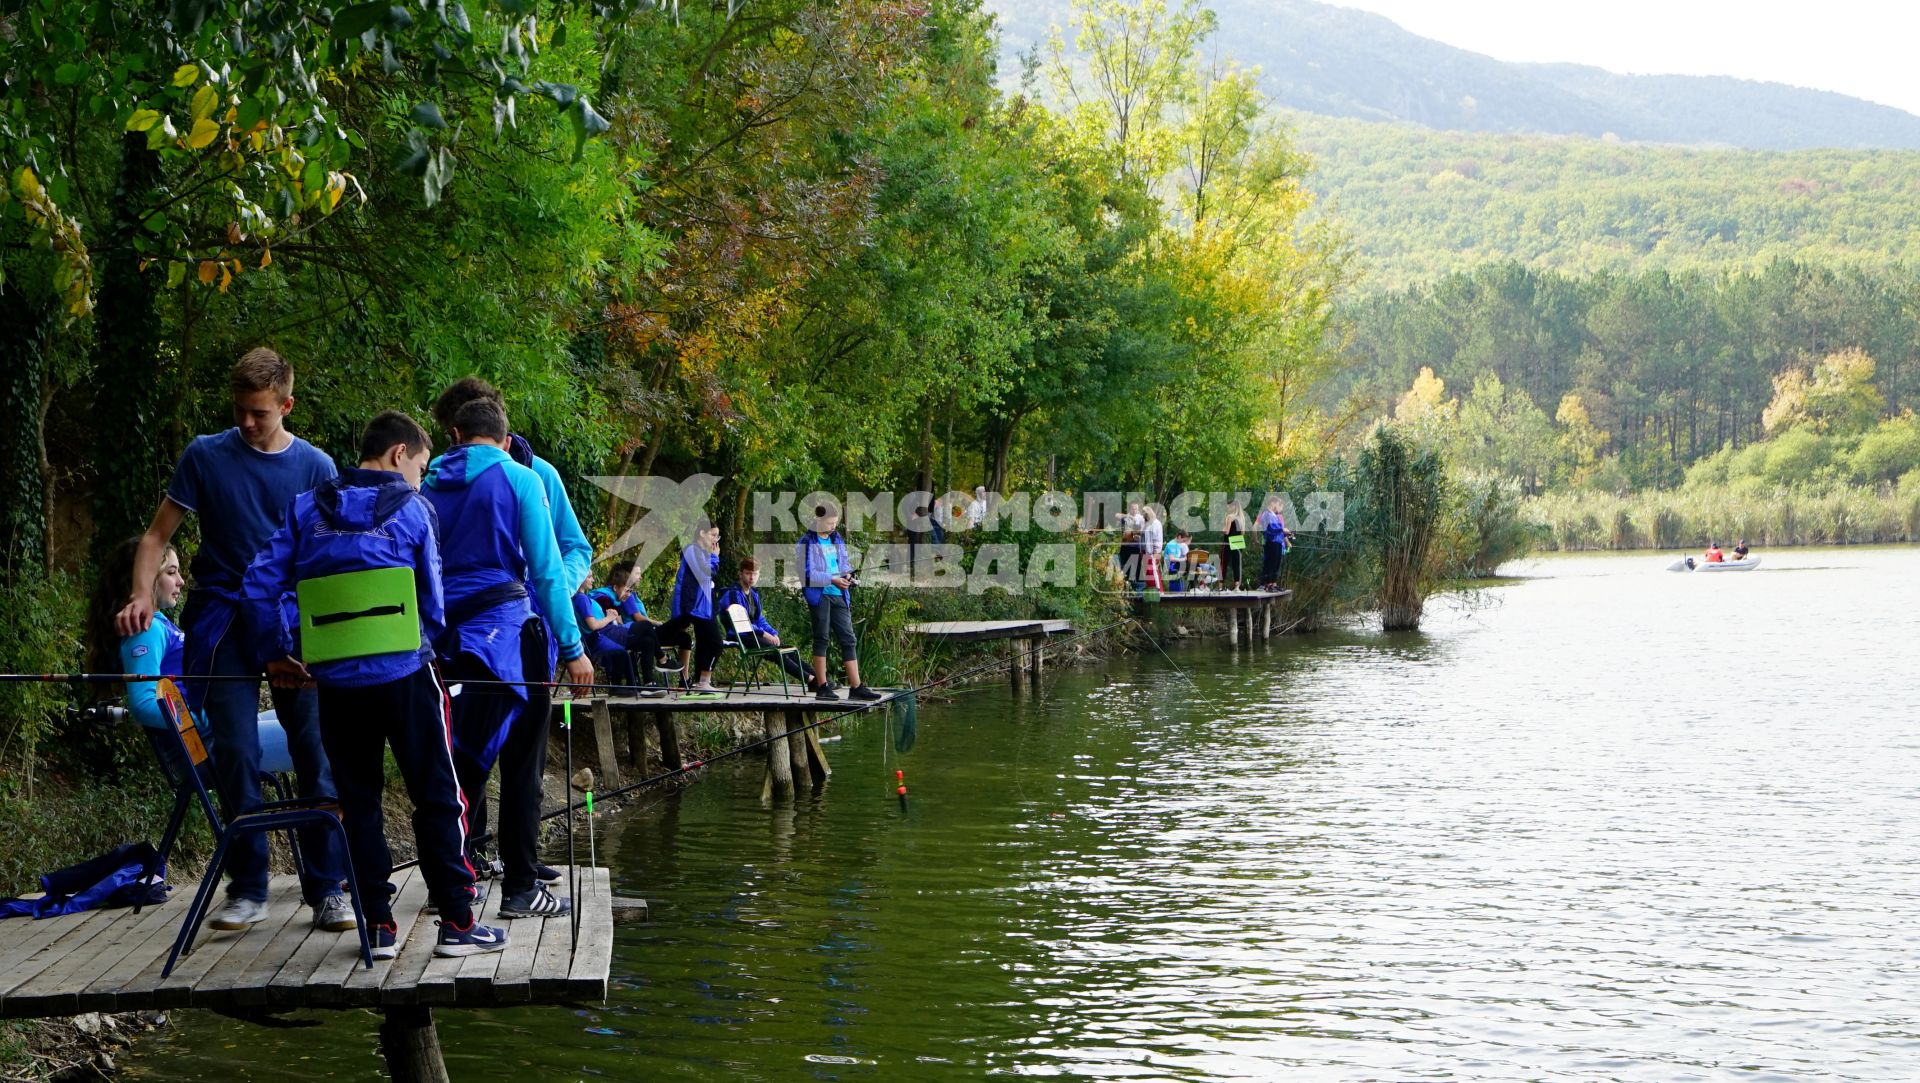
100 715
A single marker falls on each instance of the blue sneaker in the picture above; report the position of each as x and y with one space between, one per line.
386 940
546 874
475 939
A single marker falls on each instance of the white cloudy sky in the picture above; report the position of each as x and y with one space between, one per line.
1865 48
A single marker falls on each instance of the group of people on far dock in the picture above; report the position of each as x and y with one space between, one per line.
428 604
1147 560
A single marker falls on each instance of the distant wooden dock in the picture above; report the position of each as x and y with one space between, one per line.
1235 602
110 961
1027 639
653 731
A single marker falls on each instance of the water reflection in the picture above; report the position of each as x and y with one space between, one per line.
1608 824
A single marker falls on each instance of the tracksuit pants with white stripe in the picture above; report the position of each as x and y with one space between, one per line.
412 715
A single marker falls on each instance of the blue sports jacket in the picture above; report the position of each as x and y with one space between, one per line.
496 532
360 520
576 552
748 600
693 583
814 580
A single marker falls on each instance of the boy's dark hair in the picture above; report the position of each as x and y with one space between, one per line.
463 391
480 417
390 428
261 369
620 570
748 564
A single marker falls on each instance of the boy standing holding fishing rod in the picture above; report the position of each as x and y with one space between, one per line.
239 482
362 555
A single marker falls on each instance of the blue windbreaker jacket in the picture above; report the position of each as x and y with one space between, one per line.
496 530
362 519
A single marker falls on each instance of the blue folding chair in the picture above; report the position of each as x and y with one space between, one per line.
183 756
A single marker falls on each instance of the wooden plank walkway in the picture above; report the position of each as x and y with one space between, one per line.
1027 639
110 960
1235 602
975 630
654 728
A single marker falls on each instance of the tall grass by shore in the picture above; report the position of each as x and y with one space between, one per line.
1690 517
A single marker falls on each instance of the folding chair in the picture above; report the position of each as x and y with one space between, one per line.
183 756
1201 573
752 653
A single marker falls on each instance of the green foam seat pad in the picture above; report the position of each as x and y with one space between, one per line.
357 615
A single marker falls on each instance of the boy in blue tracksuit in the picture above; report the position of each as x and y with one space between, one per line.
826 576
505 587
576 553
239 484
367 639
747 596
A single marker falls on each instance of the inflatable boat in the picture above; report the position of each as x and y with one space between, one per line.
1695 564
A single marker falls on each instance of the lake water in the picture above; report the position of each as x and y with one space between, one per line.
1603 822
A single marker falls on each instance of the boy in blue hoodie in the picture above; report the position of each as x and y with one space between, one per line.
505 587
576 553
360 552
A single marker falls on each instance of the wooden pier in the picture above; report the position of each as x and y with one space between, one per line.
1252 603
653 729
110 961
1026 638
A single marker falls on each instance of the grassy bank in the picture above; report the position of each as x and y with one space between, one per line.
1766 516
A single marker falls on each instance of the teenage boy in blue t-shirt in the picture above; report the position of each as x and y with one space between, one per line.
239 483
344 548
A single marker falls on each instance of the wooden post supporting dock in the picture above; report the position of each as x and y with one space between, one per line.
412 1046
779 764
797 747
605 759
669 731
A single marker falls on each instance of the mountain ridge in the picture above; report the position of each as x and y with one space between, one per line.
1343 62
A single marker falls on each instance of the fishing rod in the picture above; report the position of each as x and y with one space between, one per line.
179 678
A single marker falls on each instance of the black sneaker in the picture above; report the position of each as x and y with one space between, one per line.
535 902
826 692
864 693
546 874
667 665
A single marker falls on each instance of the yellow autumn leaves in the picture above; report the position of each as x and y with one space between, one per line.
203 130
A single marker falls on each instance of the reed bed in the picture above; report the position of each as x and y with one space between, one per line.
1691 517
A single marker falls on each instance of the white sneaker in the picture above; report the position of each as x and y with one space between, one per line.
239 914
334 914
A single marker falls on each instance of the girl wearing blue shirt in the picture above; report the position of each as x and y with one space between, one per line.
160 649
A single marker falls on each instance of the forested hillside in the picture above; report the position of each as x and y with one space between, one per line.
1417 204
1339 61
1661 369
